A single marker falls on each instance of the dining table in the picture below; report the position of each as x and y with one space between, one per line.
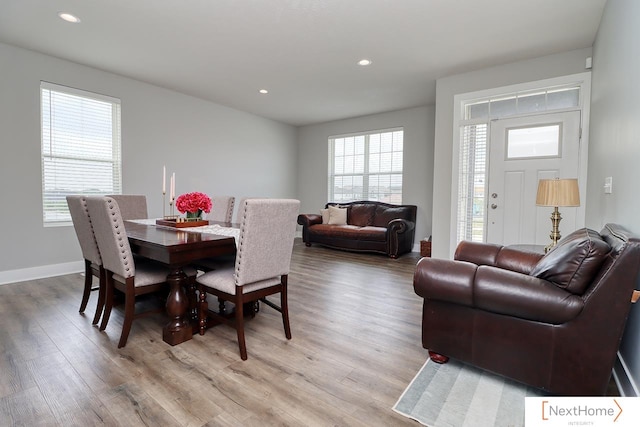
178 248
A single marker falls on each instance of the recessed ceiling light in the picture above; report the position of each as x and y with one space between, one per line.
69 17
364 62
263 91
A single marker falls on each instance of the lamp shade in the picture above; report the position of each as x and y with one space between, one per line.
558 192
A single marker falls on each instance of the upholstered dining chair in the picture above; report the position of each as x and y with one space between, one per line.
122 272
90 253
132 206
222 208
261 265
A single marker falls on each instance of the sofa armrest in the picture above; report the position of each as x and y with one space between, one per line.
307 220
400 226
477 253
445 280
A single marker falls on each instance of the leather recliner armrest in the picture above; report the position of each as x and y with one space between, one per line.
445 280
307 220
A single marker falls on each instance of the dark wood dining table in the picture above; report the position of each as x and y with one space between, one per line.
178 248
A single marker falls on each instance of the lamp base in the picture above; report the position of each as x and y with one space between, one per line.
555 230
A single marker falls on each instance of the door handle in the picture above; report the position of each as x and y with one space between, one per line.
493 206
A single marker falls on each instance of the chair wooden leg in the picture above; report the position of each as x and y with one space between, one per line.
129 312
240 323
102 290
109 291
284 308
88 283
203 309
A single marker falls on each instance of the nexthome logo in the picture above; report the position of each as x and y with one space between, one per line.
551 411
613 410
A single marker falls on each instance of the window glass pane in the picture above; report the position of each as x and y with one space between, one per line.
358 164
386 143
374 163
503 107
359 145
348 164
397 141
532 103
539 141
477 111
339 147
348 146
374 143
385 162
565 98
396 164
338 165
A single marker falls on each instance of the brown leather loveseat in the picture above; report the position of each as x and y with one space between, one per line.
554 322
370 227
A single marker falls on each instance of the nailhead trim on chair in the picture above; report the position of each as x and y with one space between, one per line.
240 240
83 201
120 240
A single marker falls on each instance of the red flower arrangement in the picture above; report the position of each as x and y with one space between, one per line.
193 202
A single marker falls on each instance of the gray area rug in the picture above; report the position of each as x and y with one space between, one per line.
457 395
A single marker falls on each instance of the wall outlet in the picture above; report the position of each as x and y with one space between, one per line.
608 185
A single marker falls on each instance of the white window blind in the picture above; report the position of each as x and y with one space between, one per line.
366 166
80 148
471 182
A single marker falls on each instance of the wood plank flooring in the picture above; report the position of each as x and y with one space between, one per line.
355 322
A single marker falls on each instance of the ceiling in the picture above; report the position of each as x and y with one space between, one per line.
305 52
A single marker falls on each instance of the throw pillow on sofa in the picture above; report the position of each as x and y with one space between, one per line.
325 215
337 216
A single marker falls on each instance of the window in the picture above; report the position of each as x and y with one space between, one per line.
80 148
533 142
366 166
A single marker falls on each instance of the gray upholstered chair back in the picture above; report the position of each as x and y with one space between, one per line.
84 229
222 208
108 227
267 231
132 206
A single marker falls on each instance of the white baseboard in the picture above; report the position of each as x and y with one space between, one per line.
33 273
625 382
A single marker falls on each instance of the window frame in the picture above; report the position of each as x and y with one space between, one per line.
46 140
365 174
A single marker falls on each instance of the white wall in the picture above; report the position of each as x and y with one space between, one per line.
212 148
614 146
446 88
418 159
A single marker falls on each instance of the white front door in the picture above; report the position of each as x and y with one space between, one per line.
522 151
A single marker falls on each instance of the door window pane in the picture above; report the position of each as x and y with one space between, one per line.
538 141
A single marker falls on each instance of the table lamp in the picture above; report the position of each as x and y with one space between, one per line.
555 193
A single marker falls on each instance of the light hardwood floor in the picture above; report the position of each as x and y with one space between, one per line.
355 323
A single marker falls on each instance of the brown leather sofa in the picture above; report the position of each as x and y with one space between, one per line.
553 322
371 227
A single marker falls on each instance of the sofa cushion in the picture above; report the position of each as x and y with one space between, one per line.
385 214
574 262
337 216
361 214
